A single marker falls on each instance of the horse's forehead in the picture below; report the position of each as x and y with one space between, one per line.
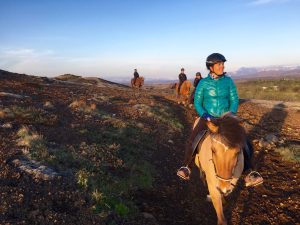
219 143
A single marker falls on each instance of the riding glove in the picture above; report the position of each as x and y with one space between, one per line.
207 116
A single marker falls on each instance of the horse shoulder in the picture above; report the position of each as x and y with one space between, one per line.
205 156
205 153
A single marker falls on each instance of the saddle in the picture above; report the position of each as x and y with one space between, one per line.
198 140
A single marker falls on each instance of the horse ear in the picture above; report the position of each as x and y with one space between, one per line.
212 127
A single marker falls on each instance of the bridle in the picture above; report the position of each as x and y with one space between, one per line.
218 176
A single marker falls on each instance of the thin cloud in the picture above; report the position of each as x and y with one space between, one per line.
264 2
27 60
49 63
25 53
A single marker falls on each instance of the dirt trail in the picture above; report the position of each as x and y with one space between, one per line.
173 201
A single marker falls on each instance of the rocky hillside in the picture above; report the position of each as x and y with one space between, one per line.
77 150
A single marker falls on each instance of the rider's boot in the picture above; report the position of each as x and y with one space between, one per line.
196 137
253 178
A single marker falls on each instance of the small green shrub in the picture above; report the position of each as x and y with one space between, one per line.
141 175
122 209
63 158
35 143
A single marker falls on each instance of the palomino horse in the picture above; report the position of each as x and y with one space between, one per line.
221 158
185 91
138 83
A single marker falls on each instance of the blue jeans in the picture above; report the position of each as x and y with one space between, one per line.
248 153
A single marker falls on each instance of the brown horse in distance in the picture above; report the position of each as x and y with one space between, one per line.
139 82
184 93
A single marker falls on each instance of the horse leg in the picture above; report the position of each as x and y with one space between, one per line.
178 98
183 101
217 202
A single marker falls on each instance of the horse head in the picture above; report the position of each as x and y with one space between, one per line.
227 138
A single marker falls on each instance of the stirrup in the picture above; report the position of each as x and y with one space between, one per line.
181 169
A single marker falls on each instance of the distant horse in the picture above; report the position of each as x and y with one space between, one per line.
139 82
221 159
184 93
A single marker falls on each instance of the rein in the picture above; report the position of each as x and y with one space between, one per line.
219 177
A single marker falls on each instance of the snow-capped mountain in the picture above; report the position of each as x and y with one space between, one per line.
269 71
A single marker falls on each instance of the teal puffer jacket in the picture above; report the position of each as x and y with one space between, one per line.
216 96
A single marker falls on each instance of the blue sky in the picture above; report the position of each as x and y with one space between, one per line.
110 38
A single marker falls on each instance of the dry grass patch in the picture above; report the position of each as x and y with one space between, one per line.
290 153
33 143
6 113
83 106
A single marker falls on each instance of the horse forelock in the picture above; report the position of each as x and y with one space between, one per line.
230 132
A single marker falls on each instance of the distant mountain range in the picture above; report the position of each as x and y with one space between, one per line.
271 72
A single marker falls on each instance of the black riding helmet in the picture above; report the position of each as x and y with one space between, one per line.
213 59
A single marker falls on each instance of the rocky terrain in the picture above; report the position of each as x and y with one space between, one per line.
88 151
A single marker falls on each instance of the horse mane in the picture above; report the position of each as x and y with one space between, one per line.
230 131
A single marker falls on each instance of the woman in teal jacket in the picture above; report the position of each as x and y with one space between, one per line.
215 95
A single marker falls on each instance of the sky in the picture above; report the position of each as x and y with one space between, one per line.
110 38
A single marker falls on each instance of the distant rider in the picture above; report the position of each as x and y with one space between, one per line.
136 75
196 82
182 77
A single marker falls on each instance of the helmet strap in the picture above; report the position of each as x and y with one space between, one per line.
213 75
